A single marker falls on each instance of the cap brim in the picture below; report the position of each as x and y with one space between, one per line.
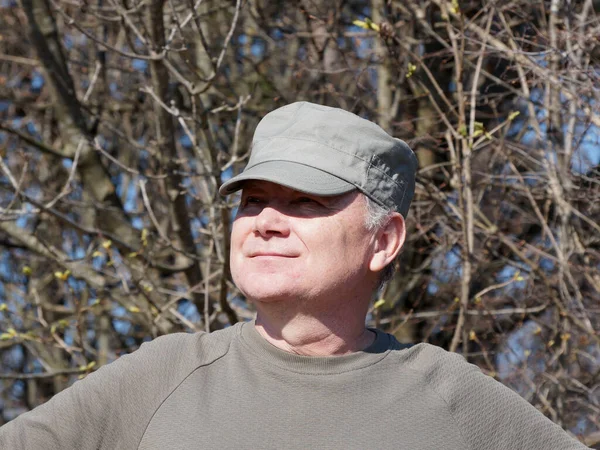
290 174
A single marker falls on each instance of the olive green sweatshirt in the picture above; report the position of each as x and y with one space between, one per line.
232 389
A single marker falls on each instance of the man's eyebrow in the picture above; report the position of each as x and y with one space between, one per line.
252 186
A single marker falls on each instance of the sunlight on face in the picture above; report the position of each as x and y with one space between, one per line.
289 245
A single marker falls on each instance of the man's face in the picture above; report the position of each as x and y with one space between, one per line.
289 245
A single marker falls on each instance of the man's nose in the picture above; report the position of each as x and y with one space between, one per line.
271 222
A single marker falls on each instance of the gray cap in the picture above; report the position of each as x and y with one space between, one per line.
328 151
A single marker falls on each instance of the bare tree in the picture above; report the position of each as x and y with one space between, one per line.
120 120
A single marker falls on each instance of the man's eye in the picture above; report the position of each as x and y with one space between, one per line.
250 200
305 200
308 201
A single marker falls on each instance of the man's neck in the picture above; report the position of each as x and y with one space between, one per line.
315 336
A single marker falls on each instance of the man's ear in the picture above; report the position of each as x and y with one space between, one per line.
388 242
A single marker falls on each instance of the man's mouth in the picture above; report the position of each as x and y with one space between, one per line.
271 254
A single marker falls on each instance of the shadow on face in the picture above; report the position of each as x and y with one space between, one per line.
258 195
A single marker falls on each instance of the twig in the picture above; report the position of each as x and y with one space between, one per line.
238 4
99 148
17 194
39 145
66 189
142 184
19 60
471 312
43 375
90 89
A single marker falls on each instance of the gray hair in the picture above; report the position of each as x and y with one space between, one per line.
376 217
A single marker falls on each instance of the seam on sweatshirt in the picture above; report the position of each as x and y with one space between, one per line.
208 363
433 388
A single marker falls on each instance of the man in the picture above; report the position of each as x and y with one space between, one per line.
321 219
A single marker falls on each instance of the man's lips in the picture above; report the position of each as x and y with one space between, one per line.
271 254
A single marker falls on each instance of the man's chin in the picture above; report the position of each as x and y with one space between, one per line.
273 287
270 297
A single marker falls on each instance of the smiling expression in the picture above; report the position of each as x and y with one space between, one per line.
286 244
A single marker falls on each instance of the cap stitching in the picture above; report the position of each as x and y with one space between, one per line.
375 198
403 183
366 175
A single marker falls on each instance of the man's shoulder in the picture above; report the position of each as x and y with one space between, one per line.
187 349
441 370
425 357
489 414
115 403
163 362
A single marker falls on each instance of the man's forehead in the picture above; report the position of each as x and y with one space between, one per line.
269 186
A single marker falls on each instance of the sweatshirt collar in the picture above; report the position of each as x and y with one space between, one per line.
316 365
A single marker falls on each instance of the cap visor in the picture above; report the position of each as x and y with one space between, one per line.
292 175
